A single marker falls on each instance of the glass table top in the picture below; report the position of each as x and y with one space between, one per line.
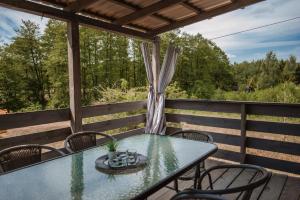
75 176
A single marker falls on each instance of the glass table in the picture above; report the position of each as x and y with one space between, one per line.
75 176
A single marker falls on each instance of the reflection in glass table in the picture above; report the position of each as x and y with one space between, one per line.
75 176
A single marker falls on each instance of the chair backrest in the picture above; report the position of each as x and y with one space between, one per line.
83 140
22 155
193 135
260 177
194 195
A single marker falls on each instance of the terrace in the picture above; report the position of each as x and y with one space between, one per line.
264 134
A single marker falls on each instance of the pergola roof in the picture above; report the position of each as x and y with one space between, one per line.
141 18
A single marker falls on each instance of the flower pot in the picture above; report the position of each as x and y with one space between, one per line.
111 155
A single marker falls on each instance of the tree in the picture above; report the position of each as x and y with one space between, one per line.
54 41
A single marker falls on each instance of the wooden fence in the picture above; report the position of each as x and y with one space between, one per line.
243 141
242 124
19 120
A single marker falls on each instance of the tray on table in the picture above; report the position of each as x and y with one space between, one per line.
116 166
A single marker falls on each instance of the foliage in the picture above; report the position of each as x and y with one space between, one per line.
112 145
266 73
34 70
287 92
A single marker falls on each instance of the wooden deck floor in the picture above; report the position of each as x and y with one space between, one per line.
279 187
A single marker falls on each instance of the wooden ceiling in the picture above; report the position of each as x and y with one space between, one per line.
140 18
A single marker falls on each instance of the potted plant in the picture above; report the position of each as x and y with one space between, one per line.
112 148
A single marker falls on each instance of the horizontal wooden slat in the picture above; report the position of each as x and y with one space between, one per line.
205 121
16 120
36 138
255 108
106 109
115 123
217 137
204 105
274 146
281 165
227 155
279 110
274 127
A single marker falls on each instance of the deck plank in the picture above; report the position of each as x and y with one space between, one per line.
257 192
279 187
291 190
166 193
227 178
243 179
274 188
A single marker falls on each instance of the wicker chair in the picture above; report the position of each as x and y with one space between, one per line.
194 195
23 155
83 140
261 177
194 173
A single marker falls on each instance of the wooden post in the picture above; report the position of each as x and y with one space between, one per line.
243 133
156 63
74 75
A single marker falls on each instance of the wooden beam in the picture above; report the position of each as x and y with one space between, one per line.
74 76
79 5
134 7
191 6
149 10
52 12
243 145
206 15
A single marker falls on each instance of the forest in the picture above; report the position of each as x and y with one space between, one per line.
34 70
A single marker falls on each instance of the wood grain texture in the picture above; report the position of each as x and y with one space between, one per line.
149 10
274 127
107 109
279 187
205 15
60 14
204 121
115 123
204 105
281 165
36 138
74 75
17 120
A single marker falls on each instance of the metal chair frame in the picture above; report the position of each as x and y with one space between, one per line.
191 194
199 168
247 189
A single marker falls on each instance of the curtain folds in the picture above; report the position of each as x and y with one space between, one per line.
151 95
156 120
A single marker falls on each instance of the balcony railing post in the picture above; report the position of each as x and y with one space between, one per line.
243 133
74 75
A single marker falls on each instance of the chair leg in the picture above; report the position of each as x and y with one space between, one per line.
176 185
197 175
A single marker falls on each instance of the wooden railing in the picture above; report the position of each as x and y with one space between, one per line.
19 120
243 141
239 122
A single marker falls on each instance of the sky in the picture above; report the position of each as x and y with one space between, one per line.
283 39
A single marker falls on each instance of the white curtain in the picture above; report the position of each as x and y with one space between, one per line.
156 120
151 95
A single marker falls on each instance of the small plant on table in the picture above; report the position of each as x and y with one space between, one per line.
112 148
